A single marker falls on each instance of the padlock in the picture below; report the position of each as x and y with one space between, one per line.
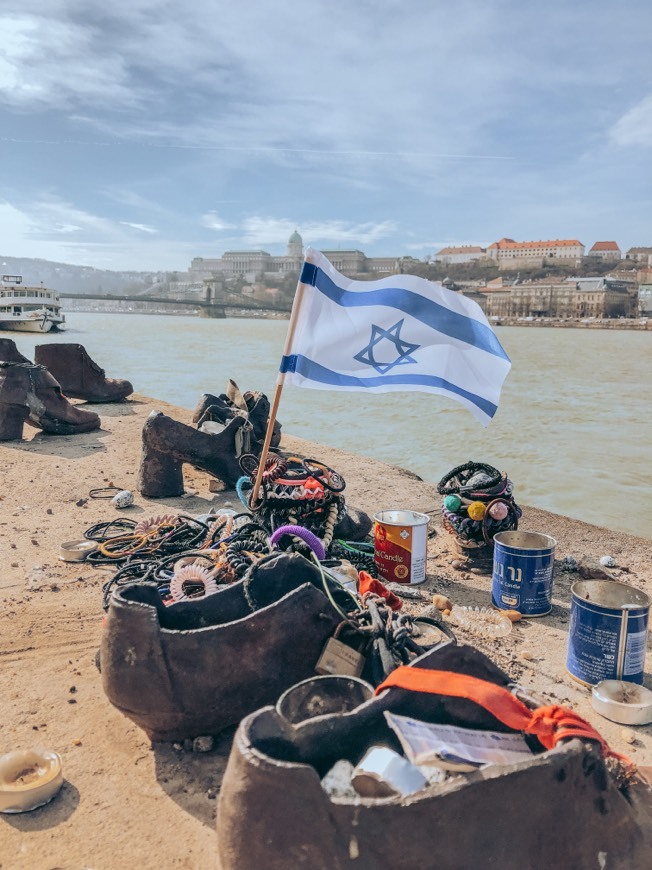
339 658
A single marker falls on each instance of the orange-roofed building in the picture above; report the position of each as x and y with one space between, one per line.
461 254
606 251
510 254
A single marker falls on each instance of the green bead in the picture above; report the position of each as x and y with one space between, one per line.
452 502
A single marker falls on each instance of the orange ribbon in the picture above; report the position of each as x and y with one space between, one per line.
369 584
548 724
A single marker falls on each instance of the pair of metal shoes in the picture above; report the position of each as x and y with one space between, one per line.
29 394
226 427
561 807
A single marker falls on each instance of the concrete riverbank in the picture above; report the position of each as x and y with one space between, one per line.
126 804
641 325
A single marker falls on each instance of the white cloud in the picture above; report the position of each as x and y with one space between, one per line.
42 227
261 231
212 221
50 212
635 126
142 227
45 217
134 200
49 62
420 246
260 88
65 228
454 126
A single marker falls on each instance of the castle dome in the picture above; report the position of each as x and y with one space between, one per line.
295 245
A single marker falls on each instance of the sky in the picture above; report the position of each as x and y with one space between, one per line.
138 134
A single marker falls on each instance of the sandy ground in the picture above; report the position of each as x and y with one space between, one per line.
124 802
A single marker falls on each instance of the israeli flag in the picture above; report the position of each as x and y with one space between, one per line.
399 333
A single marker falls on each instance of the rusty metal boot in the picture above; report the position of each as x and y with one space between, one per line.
199 666
10 353
29 394
563 807
167 444
80 377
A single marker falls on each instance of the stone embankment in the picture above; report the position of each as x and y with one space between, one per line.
642 325
127 803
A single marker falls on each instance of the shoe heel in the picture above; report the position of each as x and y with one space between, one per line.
160 475
12 418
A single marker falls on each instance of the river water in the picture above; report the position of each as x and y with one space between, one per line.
573 429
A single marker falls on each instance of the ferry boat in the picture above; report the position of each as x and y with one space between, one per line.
28 309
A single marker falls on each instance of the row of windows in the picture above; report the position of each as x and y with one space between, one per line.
544 253
26 294
19 309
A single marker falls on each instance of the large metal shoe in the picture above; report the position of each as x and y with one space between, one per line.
29 394
80 377
196 667
563 807
168 444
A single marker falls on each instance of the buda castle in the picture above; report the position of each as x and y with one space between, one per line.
252 265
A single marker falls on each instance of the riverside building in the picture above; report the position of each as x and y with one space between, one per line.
509 254
253 265
570 299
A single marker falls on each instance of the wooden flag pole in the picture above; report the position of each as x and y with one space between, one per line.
292 325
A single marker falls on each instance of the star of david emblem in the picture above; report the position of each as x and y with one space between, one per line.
380 340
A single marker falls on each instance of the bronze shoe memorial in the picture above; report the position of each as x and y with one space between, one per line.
228 427
253 405
167 444
304 492
10 353
199 666
29 394
80 377
567 806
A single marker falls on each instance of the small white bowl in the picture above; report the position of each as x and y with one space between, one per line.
28 779
76 551
623 702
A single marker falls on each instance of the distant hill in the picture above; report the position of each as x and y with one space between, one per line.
67 278
483 270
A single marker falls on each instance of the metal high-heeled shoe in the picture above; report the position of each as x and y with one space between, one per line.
167 444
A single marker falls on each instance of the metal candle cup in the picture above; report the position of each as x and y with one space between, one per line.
522 572
322 696
608 631
400 546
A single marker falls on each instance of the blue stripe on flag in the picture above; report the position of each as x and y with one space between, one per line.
315 372
431 313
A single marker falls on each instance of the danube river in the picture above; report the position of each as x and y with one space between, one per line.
573 430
